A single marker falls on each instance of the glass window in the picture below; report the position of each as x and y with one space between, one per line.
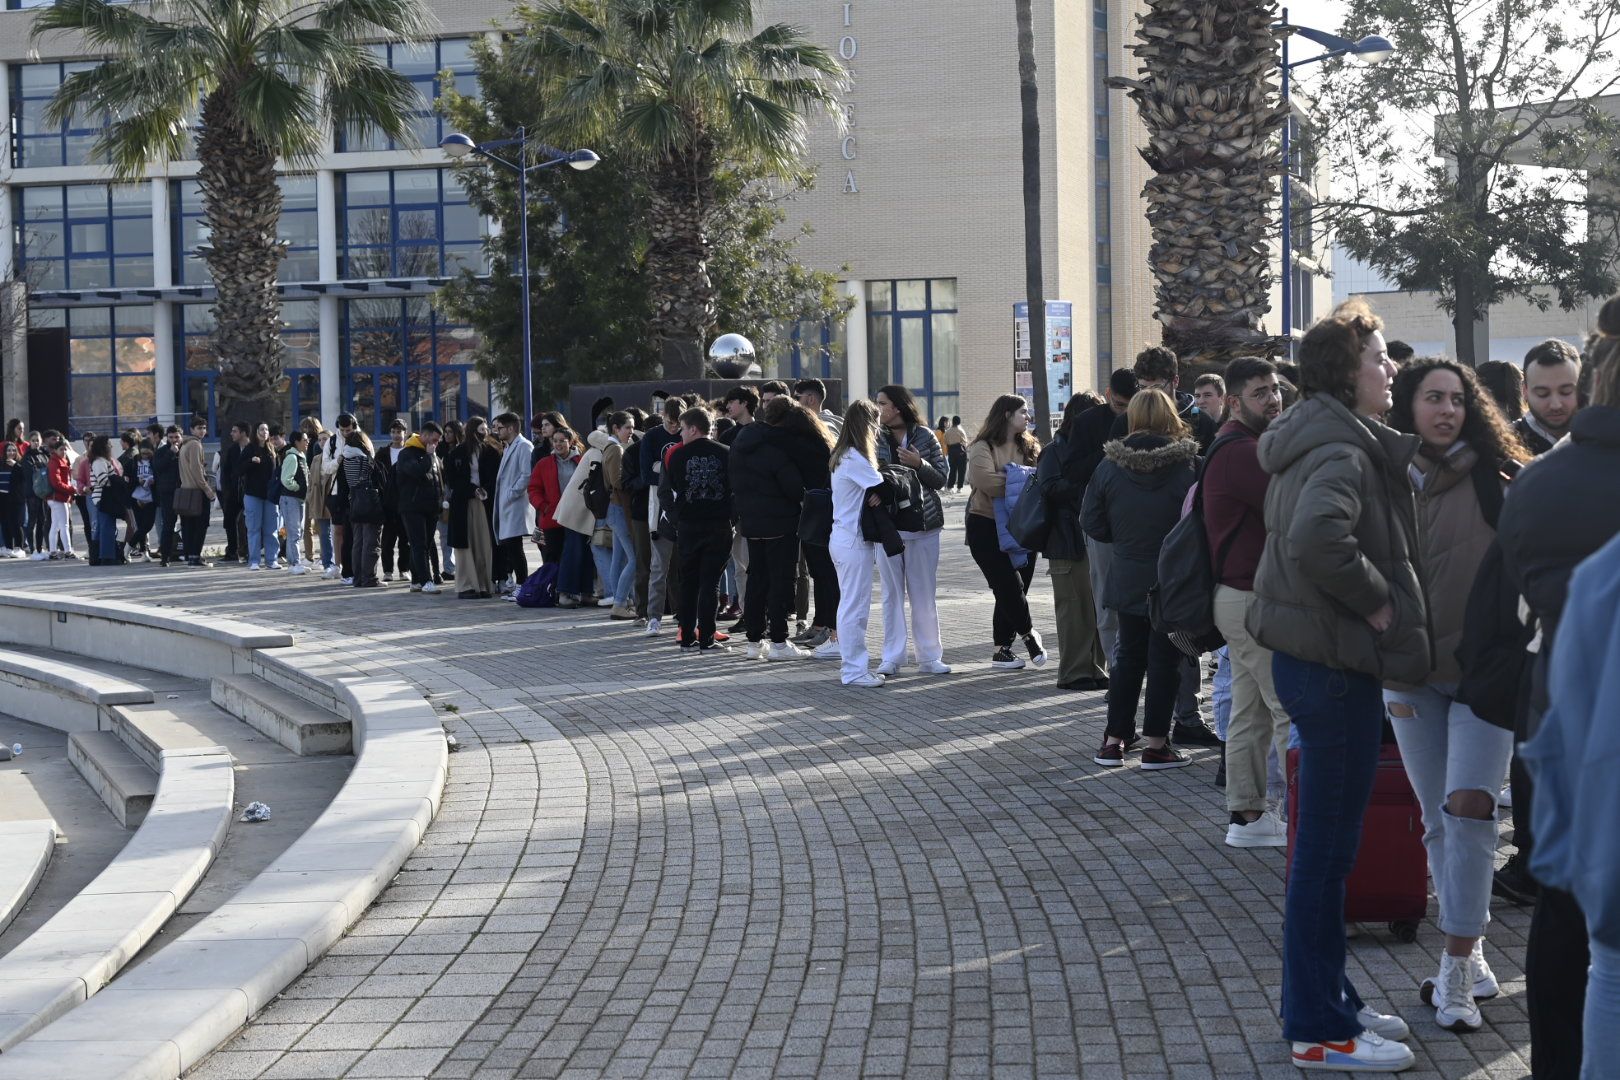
199 362
915 343
421 64
111 357
403 358
85 236
408 223
910 295
38 144
298 227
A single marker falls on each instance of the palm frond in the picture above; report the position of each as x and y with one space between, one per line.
406 20
109 27
125 87
129 145
281 113
772 130
654 125
370 95
309 50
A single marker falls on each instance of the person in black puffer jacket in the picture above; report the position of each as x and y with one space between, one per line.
767 491
1062 474
1133 502
418 495
809 445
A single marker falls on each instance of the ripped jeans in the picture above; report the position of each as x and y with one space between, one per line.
1446 748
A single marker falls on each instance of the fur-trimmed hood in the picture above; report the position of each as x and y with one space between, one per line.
1145 455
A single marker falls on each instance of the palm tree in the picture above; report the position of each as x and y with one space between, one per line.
275 79
1034 274
684 88
1209 99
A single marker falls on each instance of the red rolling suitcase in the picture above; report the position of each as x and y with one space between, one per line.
1390 882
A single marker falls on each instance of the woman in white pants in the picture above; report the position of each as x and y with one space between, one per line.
854 474
911 575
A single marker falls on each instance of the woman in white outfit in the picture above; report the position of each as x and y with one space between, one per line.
854 474
911 575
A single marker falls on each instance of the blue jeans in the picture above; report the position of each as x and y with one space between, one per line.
262 522
1602 1009
447 554
106 537
292 512
621 575
324 527
602 560
574 576
1339 718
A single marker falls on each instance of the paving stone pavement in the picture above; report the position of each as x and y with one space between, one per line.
652 864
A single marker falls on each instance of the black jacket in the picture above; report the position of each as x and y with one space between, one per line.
230 472
1202 424
700 479
387 488
1531 438
418 483
166 472
458 478
1062 473
1133 502
766 487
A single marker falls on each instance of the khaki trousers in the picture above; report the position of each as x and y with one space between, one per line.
1080 650
1259 721
473 562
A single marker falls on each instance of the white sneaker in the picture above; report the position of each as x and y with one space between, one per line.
867 681
298 570
1484 979
347 580
827 650
1504 798
429 587
1366 1052
934 667
887 669
786 650
753 650
652 628
330 572
1037 650
253 566
1382 1024
415 587
39 556
1454 1007
1264 831
388 577
272 566
607 601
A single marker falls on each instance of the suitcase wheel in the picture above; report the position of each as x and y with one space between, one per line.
1405 932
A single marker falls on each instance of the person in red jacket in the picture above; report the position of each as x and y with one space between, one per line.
1234 488
547 482
60 474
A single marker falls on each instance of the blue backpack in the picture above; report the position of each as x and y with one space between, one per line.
540 590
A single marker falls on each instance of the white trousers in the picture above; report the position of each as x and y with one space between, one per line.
61 539
911 575
854 563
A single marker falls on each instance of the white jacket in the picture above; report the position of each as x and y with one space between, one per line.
572 513
514 517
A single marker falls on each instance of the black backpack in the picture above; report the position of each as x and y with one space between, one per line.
596 491
1182 604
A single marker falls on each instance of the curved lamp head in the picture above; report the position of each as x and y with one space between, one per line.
1373 49
458 145
583 159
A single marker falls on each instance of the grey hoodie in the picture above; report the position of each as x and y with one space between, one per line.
1341 532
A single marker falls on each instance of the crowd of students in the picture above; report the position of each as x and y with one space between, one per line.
1387 558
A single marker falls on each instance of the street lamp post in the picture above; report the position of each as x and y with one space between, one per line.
1372 49
459 146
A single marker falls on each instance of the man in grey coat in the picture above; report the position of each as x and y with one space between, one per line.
514 517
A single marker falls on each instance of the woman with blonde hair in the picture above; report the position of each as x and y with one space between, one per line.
854 474
1133 501
1003 439
317 519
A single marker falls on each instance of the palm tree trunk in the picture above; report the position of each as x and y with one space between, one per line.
1210 104
242 206
1034 274
681 201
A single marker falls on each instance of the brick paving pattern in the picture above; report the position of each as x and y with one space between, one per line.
653 864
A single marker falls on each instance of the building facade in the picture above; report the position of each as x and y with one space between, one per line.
918 208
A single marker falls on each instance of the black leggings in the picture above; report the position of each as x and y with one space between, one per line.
772 572
956 460
510 558
823 584
1142 651
1011 619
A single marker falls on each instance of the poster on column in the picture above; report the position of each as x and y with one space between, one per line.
1058 354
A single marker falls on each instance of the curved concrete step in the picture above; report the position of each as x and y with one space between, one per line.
61 695
181 1004
281 715
96 933
120 779
25 850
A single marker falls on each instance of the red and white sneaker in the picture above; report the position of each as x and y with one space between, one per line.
1364 1053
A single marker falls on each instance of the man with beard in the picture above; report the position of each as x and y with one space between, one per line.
1234 494
1552 374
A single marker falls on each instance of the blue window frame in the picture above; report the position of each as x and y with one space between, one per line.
298 229
403 358
408 223
111 362
912 340
38 144
85 236
421 64
197 361
814 350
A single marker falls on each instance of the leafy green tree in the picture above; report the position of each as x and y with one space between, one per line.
275 79
593 297
1477 162
684 91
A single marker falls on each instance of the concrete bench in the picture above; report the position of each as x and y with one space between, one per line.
292 721
86 943
25 851
57 694
186 1000
160 639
